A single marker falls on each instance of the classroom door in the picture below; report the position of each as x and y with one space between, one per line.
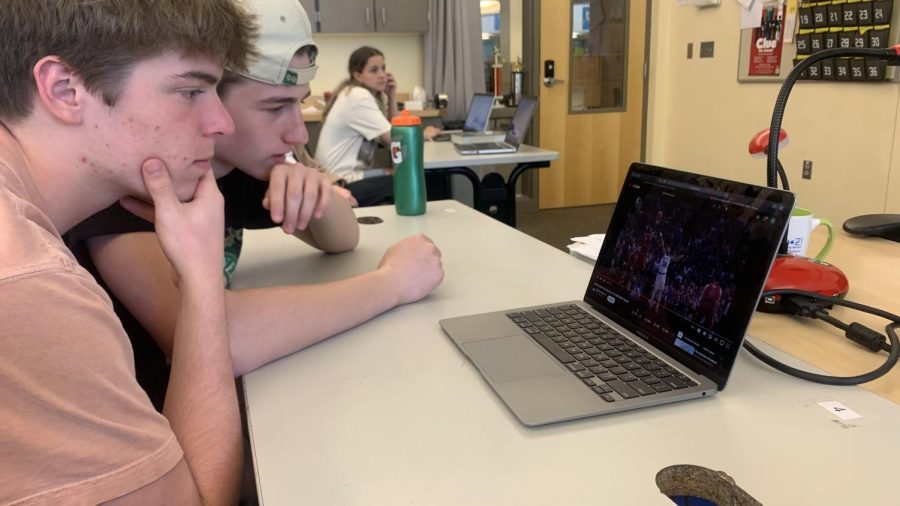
595 148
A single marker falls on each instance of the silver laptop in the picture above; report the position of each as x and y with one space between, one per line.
476 118
665 311
514 134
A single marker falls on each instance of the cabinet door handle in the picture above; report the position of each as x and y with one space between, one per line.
383 16
368 18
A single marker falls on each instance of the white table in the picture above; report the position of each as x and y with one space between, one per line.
392 413
501 195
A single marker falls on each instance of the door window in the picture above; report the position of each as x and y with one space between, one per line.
599 50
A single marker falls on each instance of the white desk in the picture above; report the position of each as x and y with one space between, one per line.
443 157
392 413
439 155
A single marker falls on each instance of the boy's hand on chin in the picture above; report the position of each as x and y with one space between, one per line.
191 233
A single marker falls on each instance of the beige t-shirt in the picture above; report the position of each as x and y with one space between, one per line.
75 427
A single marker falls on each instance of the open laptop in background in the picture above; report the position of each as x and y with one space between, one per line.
476 117
514 134
665 311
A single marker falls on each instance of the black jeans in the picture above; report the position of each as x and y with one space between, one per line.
373 191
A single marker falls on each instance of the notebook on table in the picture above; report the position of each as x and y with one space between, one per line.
476 118
665 310
514 134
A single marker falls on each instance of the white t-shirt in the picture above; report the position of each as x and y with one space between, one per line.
354 118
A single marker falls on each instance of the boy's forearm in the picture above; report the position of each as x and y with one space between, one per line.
266 324
201 402
337 231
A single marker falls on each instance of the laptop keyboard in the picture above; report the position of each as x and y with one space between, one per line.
612 365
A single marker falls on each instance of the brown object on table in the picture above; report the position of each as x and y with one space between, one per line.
697 481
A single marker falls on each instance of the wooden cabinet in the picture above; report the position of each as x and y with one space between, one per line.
353 16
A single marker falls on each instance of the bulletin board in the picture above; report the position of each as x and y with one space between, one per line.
765 56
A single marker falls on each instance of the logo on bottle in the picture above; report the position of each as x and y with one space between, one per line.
396 152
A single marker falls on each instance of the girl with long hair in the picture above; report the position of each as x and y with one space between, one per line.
356 120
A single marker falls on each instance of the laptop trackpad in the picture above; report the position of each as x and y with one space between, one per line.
511 358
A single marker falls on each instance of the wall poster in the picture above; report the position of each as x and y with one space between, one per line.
767 41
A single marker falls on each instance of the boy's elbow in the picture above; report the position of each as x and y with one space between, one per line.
346 240
342 244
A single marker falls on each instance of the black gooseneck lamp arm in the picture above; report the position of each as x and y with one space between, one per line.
891 56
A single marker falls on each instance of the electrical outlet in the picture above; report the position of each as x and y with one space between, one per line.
707 49
690 51
807 169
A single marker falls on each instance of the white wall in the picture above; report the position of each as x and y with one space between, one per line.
701 119
402 52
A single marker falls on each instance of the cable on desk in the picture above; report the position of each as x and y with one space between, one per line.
813 305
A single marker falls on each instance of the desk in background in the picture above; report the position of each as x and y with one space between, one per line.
492 194
391 412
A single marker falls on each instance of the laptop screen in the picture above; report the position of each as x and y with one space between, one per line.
520 121
479 112
684 262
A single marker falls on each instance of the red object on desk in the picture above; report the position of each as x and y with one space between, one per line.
801 273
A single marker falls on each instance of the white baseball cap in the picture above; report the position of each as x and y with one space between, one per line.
284 28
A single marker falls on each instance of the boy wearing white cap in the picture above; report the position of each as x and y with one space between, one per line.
261 190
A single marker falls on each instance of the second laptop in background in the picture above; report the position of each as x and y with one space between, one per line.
514 134
476 119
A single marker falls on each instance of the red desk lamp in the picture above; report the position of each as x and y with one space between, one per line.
789 271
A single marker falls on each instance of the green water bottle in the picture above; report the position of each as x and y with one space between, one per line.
407 145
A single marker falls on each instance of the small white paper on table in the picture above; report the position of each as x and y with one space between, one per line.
587 246
595 240
842 412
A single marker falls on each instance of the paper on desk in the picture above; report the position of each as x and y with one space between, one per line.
595 240
842 412
587 247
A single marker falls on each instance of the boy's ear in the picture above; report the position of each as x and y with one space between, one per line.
61 91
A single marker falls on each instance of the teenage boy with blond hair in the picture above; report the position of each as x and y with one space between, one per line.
261 191
100 100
